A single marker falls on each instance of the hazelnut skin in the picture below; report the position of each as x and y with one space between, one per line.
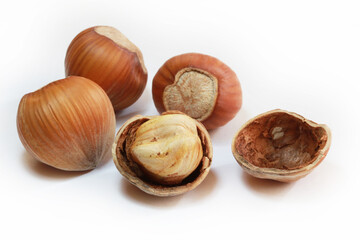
163 155
69 124
104 55
199 85
280 145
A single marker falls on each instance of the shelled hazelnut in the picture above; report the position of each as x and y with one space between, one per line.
163 155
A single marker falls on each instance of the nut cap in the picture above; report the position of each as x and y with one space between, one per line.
280 145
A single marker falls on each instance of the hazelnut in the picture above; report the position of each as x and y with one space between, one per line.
69 124
199 85
163 155
103 54
280 145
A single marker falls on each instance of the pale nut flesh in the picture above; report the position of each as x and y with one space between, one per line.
163 155
280 145
167 148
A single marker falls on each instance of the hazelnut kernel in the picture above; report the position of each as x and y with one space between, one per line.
163 155
167 148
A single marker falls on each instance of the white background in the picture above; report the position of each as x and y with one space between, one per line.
302 56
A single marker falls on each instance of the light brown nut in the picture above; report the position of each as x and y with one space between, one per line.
104 55
69 124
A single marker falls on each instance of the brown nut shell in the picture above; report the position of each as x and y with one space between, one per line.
280 145
104 55
199 85
133 173
68 124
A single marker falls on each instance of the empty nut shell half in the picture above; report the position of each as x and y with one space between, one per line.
149 152
280 145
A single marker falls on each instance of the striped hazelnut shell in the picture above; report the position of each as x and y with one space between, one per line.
135 175
104 55
68 124
280 145
199 85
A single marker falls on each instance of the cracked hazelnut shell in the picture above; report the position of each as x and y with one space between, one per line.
199 85
280 145
104 55
167 156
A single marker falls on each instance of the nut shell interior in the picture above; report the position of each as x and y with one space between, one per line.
281 145
133 172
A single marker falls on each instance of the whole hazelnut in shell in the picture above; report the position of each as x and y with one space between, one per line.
280 145
199 85
69 124
163 155
104 55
